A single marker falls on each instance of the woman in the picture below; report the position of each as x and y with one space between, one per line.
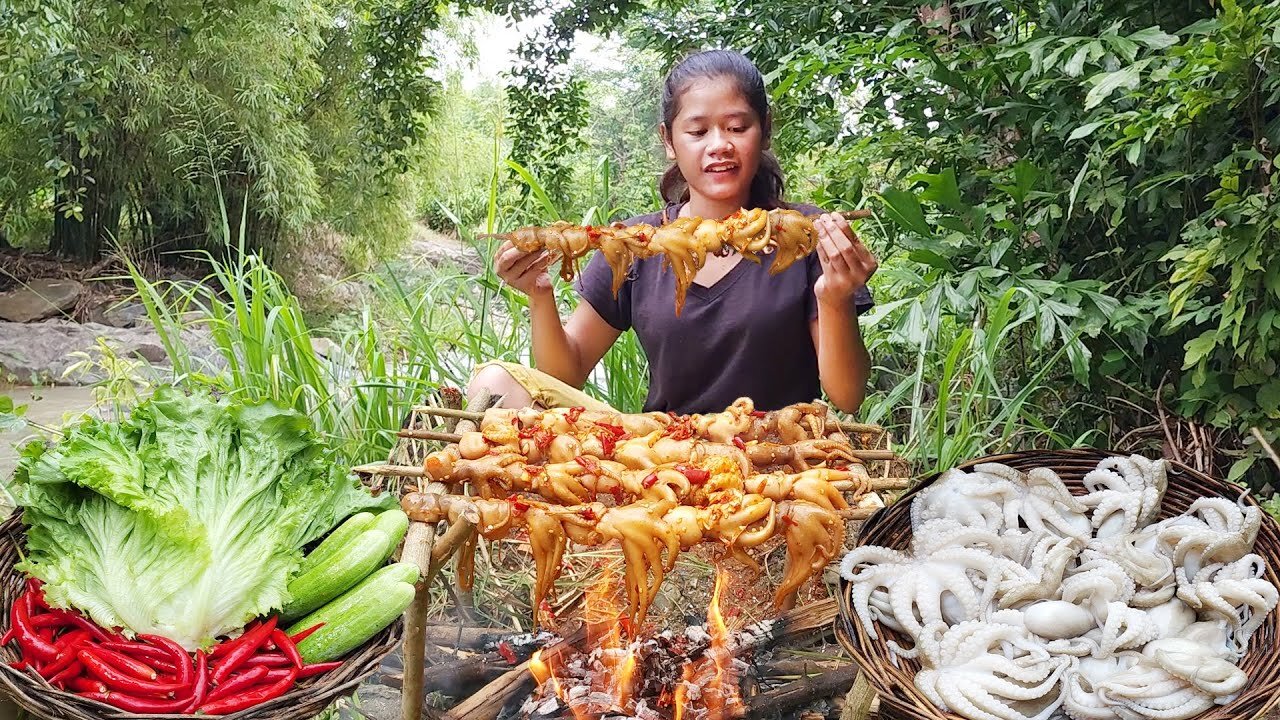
778 339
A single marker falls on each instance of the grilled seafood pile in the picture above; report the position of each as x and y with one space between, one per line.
656 483
683 243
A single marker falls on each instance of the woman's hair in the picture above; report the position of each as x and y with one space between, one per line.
767 185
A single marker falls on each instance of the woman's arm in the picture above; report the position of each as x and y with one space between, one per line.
571 350
843 362
567 352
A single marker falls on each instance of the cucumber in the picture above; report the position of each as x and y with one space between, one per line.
342 571
357 615
348 531
394 523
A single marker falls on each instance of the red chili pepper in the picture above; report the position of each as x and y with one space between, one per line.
306 633
243 681
269 645
546 608
275 674
202 683
588 514
126 664
129 647
696 475
518 505
226 646
507 652
34 647
252 641
62 662
87 684
19 665
287 647
7 637
758 413
74 670
35 589
618 495
134 704
515 421
737 442
649 480
268 660
181 660
543 438
573 414
317 668
117 680
588 463
48 620
256 696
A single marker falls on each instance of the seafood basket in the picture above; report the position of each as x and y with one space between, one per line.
893 677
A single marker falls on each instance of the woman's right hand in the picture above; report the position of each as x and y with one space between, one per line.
524 271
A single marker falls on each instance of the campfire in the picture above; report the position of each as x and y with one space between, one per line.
691 676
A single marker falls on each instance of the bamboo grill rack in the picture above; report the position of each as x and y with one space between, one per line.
431 552
893 678
44 701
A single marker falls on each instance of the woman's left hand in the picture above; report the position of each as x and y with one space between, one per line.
847 264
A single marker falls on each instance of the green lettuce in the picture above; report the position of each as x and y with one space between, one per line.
184 519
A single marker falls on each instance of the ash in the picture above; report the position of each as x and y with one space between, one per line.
669 666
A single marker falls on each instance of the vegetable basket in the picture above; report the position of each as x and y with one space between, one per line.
893 677
42 700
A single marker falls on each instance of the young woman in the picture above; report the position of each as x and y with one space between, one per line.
778 339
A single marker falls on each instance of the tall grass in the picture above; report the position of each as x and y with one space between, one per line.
960 399
263 349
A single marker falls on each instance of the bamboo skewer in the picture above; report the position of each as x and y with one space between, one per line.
414 471
455 437
848 427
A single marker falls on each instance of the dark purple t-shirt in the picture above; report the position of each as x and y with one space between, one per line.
745 336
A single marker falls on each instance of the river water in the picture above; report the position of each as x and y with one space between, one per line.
45 405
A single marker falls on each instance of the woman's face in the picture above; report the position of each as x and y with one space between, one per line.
716 139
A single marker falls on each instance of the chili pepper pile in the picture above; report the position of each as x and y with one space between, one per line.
153 674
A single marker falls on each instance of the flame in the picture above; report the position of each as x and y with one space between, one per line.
713 672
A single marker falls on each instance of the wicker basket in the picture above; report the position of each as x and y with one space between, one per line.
893 677
42 700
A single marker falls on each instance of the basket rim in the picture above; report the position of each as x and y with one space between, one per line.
34 693
886 674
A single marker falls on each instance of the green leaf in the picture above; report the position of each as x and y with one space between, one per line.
1199 348
1240 467
1085 130
1104 84
1154 38
1075 65
1269 397
928 257
941 188
904 208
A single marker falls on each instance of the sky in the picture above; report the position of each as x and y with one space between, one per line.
496 42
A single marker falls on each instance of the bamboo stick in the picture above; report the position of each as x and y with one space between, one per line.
455 437
846 426
413 471
418 549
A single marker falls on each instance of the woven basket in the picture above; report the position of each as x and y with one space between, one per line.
42 700
893 678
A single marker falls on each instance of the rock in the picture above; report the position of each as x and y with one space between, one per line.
40 353
126 315
39 299
378 702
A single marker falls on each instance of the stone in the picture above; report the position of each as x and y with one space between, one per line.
324 347
378 702
39 299
125 315
41 353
